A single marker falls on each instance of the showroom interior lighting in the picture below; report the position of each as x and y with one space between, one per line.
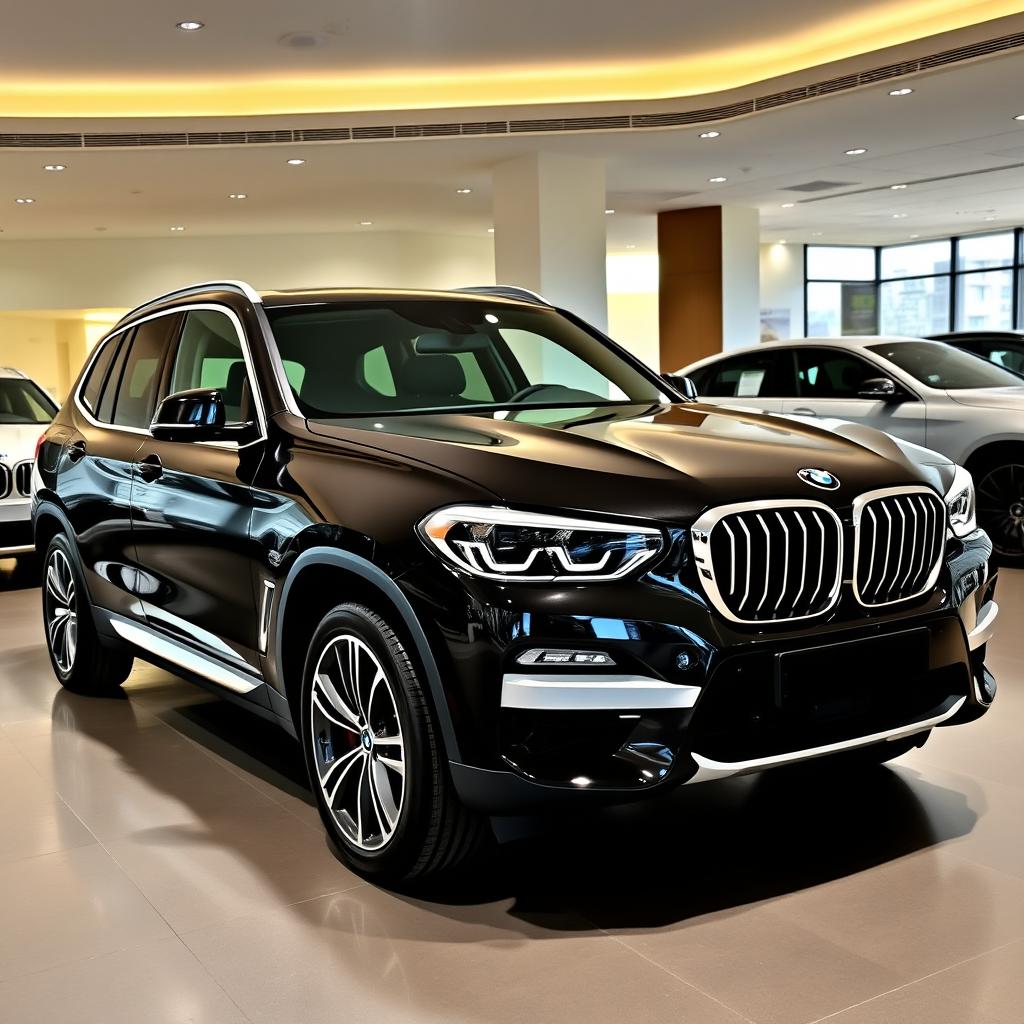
55 167
1018 117
898 216
463 191
905 91
896 188
178 227
856 151
238 195
366 223
718 179
190 26
295 161
787 206
24 201
709 135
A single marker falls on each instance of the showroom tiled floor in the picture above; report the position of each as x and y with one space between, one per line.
160 861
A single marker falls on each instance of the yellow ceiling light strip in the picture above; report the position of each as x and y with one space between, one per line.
830 39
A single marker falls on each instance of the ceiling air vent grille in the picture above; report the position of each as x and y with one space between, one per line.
529 126
821 185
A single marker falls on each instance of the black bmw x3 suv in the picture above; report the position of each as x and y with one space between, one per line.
481 561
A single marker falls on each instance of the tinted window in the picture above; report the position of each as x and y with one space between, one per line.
408 356
942 366
830 373
767 374
22 402
210 356
140 377
109 392
93 384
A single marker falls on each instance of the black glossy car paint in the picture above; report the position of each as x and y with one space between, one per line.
192 545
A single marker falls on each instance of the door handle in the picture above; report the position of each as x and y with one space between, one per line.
76 451
150 468
805 412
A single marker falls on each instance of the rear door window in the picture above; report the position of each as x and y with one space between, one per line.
140 377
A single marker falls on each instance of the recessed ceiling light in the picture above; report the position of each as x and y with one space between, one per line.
463 191
178 227
366 223
1018 117
490 231
23 201
709 135
905 91
898 216
609 212
190 26
718 179
787 206
296 161
860 150
239 195
896 188
55 167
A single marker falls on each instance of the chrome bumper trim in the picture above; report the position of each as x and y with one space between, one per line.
564 692
708 770
984 627
20 549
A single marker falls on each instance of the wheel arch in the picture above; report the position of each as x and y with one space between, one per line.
991 450
312 588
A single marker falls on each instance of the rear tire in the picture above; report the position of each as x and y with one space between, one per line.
80 662
376 761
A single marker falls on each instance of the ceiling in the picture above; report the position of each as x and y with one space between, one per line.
957 124
127 59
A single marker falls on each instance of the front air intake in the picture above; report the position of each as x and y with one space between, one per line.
900 540
771 560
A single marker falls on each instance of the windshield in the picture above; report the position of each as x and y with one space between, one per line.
941 366
22 402
443 355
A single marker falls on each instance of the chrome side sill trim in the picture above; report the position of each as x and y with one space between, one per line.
21 549
565 692
984 627
163 647
708 769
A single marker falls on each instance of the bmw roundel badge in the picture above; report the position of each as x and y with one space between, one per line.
819 478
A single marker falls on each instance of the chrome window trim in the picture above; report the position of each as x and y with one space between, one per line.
700 538
865 499
261 418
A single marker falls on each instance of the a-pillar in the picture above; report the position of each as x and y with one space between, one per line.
549 231
709 289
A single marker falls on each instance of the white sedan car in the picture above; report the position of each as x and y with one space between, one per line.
25 410
922 391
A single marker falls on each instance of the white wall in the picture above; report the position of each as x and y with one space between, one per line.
782 286
90 273
740 240
633 319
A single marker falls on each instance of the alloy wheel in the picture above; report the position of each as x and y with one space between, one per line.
1001 508
357 742
61 611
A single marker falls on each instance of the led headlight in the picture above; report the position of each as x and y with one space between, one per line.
960 504
529 547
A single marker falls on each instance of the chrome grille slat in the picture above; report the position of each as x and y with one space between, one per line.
5 481
905 529
23 478
788 555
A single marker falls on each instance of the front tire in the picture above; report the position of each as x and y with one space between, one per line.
374 754
80 662
1000 499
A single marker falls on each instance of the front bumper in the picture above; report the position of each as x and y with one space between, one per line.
15 527
689 698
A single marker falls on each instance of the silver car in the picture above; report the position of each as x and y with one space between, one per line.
925 392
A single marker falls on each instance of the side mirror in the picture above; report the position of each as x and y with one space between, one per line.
879 387
684 385
196 415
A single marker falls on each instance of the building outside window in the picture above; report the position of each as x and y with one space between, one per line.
975 282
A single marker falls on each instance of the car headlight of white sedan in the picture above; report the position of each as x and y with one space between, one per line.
960 503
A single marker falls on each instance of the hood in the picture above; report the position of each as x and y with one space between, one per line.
990 398
665 462
18 441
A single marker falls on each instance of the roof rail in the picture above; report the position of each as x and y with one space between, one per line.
246 289
506 291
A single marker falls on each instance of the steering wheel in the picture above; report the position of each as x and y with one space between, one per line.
526 392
